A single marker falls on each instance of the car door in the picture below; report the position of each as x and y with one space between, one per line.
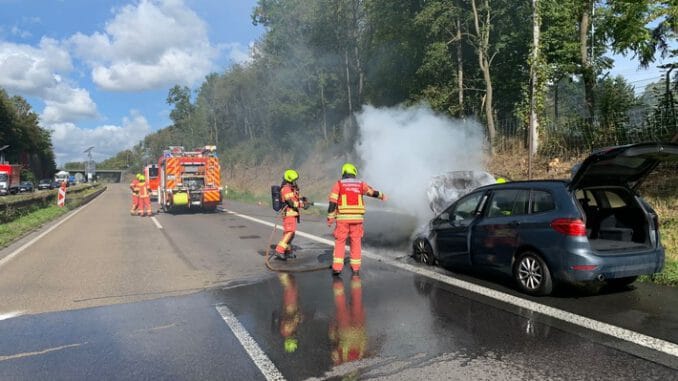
496 236
452 228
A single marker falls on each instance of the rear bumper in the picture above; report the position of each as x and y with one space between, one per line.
611 266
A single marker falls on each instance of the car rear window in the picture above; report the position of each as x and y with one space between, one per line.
542 201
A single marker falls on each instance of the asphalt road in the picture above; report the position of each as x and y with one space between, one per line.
104 295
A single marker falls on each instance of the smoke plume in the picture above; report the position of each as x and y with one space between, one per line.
402 148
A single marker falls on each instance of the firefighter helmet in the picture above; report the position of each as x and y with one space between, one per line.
349 169
138 175
142 178
290 175
291 344
501 180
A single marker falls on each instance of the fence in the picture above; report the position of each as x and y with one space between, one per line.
576 137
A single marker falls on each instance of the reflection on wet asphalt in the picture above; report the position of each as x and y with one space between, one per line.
387 324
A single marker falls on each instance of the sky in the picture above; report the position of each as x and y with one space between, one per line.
98 72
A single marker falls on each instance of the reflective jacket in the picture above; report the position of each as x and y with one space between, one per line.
134 186
290 198
142 190
348 195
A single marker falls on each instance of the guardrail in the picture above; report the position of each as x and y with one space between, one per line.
13 207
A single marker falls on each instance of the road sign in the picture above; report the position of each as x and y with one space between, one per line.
61 197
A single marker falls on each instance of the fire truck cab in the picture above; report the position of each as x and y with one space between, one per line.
189 179
152 180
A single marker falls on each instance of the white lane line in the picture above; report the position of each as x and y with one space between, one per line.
30 354
269 370
156 222
582 321
16 252
10 315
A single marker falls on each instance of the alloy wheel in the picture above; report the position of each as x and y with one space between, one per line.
530 272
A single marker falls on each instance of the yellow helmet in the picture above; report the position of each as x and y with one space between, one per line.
501 180
290 175
142 178
291 344
349 169
138 175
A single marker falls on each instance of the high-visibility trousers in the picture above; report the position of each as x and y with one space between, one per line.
289 228
144 205
344 230
135 203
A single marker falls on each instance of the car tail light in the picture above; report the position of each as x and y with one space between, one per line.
569 226
584 267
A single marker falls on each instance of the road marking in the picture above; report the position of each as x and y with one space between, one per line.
10 315
16 252
269 370
29 354
654 343
156 222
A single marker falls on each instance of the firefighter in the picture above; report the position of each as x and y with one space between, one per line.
291 315
290 212
346 207
347 330
501 180
144 197
133 186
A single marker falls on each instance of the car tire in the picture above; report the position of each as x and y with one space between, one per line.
423 252
532 274
619 283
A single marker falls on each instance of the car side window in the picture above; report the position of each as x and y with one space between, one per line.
466 207
509 202
542 201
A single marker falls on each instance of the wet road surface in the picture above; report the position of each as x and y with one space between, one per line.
389 323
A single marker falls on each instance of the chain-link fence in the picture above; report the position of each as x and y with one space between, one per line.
573 138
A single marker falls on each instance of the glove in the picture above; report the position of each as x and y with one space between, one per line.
330 222
382 196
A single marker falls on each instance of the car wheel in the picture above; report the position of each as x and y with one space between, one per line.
532 274
621 282
423 252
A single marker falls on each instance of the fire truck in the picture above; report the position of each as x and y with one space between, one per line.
10 175
152 180
189 179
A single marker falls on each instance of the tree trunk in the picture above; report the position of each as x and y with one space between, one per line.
323 107
534 82
460 69
349 99
588 75
482 48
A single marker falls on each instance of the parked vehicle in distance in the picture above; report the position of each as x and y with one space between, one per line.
10 176
592 228
56 184
45 184
26 186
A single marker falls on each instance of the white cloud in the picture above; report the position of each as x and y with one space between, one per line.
70 141
37 71
29 70
151 44
239 54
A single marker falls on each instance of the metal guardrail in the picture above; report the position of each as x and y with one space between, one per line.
12 207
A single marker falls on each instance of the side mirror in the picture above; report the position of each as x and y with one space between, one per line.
444 217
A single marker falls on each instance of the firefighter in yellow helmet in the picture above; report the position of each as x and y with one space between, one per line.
501 180
133 186
144 198
291 211
346 207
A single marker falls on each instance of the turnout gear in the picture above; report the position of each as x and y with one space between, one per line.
133 186
290 316
292 203
347 208
144 196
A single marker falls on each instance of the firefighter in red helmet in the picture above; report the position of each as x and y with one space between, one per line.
347 209
289 193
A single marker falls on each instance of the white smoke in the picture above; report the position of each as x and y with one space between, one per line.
402 148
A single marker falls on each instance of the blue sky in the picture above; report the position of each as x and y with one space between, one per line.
98 71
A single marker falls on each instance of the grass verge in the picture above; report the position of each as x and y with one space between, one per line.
11 231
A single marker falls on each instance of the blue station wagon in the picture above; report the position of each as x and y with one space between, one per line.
592 228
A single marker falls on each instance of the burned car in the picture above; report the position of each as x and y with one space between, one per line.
446 188
591 228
